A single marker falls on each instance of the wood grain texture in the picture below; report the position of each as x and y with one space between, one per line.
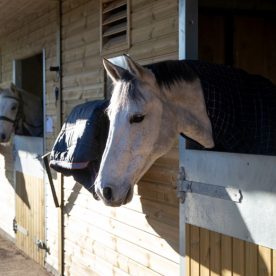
204 251
251 259
264 261
226 255
141 237
194 250
30 214
217 254
33 27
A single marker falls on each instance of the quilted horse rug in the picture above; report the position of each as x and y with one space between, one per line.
79 146
241 107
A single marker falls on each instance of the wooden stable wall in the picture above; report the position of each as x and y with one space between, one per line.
30 214
140 238
26 37
212 254
7 197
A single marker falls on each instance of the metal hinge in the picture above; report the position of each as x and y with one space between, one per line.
40 244
18 228
226 193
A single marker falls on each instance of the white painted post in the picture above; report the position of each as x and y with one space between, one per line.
188 49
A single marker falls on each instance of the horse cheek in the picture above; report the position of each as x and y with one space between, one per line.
115 157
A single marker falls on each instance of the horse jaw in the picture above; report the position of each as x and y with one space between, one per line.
191 112
6 128
188 101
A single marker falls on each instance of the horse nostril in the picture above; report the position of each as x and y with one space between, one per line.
3 136
107 193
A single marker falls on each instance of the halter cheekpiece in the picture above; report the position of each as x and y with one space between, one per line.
5 118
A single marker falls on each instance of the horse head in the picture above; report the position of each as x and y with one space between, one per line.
149 107
142 128
9 106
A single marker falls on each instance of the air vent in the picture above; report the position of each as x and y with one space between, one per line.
114 25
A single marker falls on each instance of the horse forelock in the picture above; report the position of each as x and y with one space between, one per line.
8 93
125 92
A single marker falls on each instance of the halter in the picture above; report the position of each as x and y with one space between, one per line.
19 122
5 118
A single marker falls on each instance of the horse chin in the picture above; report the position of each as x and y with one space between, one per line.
7 142
129 196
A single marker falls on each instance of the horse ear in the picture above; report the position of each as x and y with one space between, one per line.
115 72
13 87
134 67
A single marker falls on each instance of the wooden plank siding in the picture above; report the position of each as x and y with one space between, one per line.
140 238
7 198
30 214
210 253
217 254
23 39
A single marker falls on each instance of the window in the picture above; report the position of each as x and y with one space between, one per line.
114 25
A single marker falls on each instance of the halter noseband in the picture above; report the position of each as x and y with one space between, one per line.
5 118
19 120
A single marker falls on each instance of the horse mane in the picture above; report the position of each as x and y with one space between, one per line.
169 72
6 92
128 90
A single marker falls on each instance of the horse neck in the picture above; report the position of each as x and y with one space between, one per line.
30 102
32 112
187 101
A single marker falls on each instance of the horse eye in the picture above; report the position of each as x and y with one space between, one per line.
136 118
14 107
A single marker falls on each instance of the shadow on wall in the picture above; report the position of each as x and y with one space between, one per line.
72 198
160 204
206 250
20 190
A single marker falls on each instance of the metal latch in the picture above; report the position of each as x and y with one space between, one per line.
14 225
211 190
40 244
181 194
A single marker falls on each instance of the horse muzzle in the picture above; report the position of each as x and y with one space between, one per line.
111 197
3 137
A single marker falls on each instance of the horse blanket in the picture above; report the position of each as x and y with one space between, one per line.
241 107
79 146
